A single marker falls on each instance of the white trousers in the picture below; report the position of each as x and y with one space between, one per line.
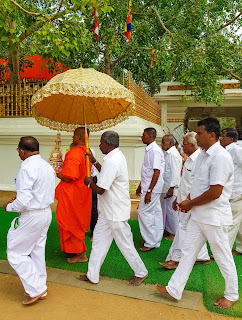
26 249
170 216
177 244
217 236
235 228
104 233
151 220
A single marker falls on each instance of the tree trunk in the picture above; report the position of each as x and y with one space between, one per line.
107 62
13 59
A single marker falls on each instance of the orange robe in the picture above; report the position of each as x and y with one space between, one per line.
73 211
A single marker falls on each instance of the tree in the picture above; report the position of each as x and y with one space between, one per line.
51 27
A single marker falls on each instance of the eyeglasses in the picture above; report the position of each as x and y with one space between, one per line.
184 144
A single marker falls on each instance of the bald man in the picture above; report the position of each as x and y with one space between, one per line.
73 211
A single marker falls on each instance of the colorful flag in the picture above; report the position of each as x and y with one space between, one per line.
153 58
95 19
128 28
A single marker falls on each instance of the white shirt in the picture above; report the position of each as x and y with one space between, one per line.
173 166
93 168
114 204
35 185
187 176
213 167
154 159
236 154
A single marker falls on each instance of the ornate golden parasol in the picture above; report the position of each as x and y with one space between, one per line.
81 97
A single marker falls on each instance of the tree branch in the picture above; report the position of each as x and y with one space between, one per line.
161 22
36 14
232 74
230 22
118 60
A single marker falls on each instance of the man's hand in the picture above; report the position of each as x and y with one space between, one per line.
148 197
87 180
58 174
169 193
174 205
91 157
185 206
5 204
138 190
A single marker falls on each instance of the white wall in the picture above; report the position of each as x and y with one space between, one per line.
12 129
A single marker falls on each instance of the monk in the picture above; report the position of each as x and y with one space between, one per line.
73 211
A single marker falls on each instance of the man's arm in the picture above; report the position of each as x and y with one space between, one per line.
153 182
213 193
88 182
63 178
94 161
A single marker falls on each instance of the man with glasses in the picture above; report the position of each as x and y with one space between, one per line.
228 140
35 186
192 151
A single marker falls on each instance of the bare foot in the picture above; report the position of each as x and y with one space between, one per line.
81 257
136 281
91 238
235 252
146 249
202 262
224 303
161 288
170 237
30 300
83 277
171 265
40 298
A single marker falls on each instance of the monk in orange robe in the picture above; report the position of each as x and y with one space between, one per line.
73 211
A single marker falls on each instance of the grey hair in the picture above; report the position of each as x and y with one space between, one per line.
111 138
170 138
192 138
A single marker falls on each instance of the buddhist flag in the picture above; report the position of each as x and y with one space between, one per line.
128 28
153 58
95 19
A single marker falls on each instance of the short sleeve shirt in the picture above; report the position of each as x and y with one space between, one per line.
213 167
154 159
114 204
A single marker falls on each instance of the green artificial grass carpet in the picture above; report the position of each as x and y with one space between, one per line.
204 278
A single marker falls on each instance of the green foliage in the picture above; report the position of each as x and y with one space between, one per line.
227 122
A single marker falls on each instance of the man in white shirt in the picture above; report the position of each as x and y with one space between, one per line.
210 215
149 211
35 186
114 211
192 151
228 139
172 176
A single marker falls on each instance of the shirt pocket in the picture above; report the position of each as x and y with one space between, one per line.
204 174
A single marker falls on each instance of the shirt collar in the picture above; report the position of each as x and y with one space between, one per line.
26 161
147 148
231 145
111 153
194 155
215 146
171 149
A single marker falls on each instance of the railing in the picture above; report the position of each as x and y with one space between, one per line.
145 107
15 100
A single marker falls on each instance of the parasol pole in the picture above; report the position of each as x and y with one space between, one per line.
87 147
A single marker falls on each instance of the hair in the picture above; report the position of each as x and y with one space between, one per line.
228 129
192 138
28 143
169 137
232 134
211 125
111 138
81 131
152 132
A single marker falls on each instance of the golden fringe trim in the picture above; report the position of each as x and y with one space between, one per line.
61 126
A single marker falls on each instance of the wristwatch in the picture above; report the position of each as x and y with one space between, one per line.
149 190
